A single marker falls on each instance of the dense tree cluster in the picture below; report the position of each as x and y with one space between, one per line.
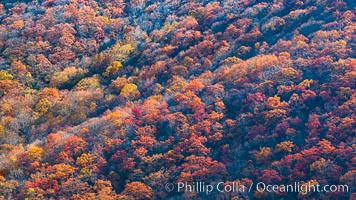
112 99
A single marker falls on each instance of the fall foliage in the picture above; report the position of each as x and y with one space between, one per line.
112 99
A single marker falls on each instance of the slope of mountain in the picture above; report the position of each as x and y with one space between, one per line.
130 99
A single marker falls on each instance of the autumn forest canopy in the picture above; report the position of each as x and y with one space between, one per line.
113 99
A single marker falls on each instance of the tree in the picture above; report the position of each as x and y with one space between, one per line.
43 105
74 145
199 168
90 83
112 69
286 146
8 188
270 177
73 186
5 75
130 91
138 190
348 178
35 153
60 171
18 68
66 77
104 190
85 160
263 155
195 86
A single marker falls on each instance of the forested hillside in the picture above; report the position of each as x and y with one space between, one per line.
115 99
